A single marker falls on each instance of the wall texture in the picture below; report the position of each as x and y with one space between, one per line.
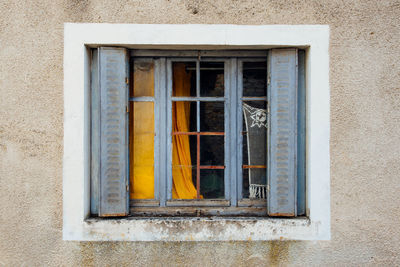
365 132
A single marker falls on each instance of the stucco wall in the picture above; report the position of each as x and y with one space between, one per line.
365 132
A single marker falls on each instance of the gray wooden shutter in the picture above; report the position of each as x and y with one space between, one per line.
282 149
114 175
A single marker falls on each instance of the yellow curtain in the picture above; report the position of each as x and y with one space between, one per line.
142 137
142 134
183 187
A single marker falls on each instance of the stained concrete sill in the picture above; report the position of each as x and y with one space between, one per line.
196 229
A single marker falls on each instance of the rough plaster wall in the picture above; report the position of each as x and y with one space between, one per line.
365 135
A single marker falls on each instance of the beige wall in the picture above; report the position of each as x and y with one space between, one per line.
365 132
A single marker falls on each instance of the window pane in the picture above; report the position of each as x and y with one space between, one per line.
212 117
255 78
184 159
211 78
254 149
212 183
245 183
184 79
212 150
184 116
141 141
143 78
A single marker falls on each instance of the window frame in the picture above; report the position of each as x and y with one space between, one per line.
163 204
76 183
233 204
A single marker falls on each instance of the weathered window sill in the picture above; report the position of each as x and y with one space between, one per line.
197 229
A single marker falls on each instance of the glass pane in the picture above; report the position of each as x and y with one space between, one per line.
143 78
211 78
212 117
141 142
184 166
212 150
254 148
184 79
245 190
184 116
212 184
255 78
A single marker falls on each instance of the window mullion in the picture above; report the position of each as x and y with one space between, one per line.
198 128
239 131
231 116
157 128
164 132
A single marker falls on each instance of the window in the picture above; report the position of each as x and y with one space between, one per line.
80 39
205 132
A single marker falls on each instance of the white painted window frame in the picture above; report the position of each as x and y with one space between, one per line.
78 37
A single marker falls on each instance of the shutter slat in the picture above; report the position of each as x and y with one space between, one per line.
113 73
282 95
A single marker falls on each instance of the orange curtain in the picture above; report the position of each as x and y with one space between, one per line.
183 187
